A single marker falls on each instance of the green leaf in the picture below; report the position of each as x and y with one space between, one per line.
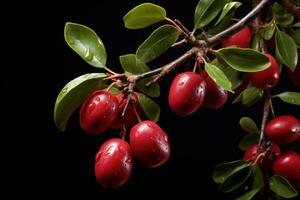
221 26
72 96
244 60
282 17
249 195
282 187
251 95
295 34
206 11
157 43
296 25
256 42
235 180
287 49
150 108
132 65
248 125
248 140
227 8
268 31
144 15
290 97
86 43
224 170
257 184
218 76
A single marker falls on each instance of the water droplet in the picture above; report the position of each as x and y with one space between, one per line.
88 55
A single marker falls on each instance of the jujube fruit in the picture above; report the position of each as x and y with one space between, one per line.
283 129
98 112
268 78
186 93
241 39
113 163
149 144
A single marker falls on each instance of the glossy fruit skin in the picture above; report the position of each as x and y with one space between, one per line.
251 152
186 93
98 112
288 166
294 77
149 144
113 163
129 118
241 39
268 78
215 96
284 129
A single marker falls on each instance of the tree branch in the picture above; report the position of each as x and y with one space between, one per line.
266 111
238 26
293 8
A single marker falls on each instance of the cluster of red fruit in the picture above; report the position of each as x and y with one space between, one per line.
114 160
280 130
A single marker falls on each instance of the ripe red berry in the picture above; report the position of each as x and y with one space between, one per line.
283 130
215 96
241 39
294 77
149 144
113 163
288 166
268 78
186 93
252 151
98 112
129 118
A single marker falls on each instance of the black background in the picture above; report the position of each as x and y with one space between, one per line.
45 163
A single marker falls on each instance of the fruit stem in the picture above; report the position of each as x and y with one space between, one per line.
266 110
110 71
110 86
135 112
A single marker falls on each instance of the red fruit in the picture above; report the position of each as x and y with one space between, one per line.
283 130
288 166
294 77
149 144
113 163
241 39
215 96
98 112
186 93
267 78
129 118
251 152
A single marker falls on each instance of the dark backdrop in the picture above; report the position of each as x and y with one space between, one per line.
44 162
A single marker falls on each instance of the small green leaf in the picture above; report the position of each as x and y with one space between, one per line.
218 76
248 140
228 7
244 60
224 170
206 11
287 49
251 95
144 15
296 25
72 95
295 34
282 17
268 31
248 125
221 26
235 180
290 97
249 195
132 65
157 43
86 43
282 187
150 108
